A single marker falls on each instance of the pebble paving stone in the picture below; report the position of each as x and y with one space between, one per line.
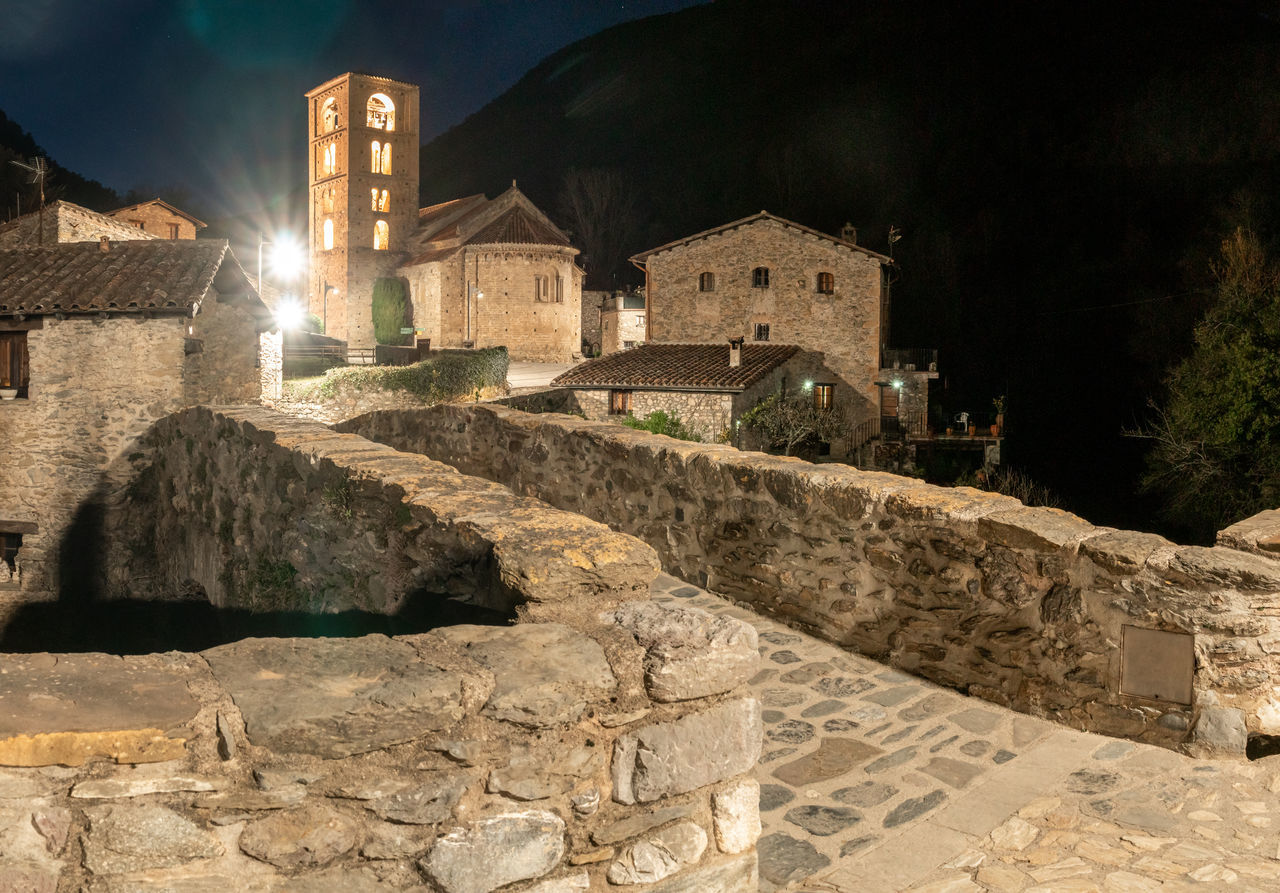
876 782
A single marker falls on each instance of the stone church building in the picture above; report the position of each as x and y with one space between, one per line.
479 272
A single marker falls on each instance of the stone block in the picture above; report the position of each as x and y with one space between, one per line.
127 838
1219 732
1035 529
302 838
544 673
336 697
659 855
736 813
689 653
671 758
496 851
635 825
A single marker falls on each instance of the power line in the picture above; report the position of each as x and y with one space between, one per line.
1184 294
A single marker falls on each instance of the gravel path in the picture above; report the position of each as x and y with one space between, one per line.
873 780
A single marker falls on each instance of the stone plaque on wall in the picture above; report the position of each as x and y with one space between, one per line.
1157 664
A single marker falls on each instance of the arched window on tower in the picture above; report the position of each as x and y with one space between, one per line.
386 158
329 114
381 112
373 199
381 235
384 201
328 234
377 157
330 163
326 201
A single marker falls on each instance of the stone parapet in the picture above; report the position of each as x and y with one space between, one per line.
469 758
1112 631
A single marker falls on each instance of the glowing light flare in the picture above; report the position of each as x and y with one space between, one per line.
288 258
290 314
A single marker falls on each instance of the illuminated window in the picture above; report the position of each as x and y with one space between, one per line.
619 403
329 114
330 163
377 157
15 370
386 158
384 200
760 277
762 331
381 235
328 234
326 200
824 396
173 230
373 199
826 283
381 112
707 282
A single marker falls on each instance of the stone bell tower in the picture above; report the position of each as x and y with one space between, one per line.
363 195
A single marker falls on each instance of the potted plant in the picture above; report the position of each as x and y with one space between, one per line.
998 405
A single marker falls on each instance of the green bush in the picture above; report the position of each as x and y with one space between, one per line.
390 311
443 377
663 423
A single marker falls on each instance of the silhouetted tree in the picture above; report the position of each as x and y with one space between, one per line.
600 211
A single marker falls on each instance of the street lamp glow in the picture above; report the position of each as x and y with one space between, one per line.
290 313
287 257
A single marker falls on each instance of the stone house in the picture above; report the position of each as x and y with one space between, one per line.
479 272
771 280
160 219
708 386
487 272
623 320
97 341
63 221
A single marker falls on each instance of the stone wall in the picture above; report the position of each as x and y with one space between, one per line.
66 222
1113 631
508 315
96 386
610 752
592 301
156 220
845 325
709 415
618 327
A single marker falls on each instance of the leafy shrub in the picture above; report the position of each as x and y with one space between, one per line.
445 376
390 311
660 422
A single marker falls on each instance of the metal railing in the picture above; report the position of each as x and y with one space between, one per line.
919 359
899 427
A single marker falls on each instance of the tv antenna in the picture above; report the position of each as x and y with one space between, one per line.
39 169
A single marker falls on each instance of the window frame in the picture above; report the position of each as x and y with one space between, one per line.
17 359
174 230
706 281
326 230
824 396
826 283
383 229
760 277
760 328
619 401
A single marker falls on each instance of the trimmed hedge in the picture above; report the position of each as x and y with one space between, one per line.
445 376
390 311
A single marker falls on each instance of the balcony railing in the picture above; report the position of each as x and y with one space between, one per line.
899 427
919 359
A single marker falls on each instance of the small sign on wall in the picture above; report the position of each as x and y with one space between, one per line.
1157 664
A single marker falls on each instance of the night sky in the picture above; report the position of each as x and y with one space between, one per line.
207 95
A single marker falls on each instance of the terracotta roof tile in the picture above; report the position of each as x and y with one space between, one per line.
518 226
678 367
131 277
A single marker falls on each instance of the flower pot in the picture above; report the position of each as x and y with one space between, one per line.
995 430
8 393
973 429
949 432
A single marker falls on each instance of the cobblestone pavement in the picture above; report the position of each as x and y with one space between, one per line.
873 780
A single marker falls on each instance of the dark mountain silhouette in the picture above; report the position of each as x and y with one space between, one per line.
1061 173
15 186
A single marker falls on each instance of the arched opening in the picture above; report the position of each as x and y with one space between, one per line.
384 201
328 234
326 201
386 158
330 162
329 114
381 112
376 154
381 235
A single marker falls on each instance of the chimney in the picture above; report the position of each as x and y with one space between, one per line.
849 233
735 352
104 244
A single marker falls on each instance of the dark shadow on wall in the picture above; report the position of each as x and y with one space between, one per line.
80 557
130 626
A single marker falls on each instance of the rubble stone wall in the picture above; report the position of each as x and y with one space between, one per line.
1027 607
466 759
